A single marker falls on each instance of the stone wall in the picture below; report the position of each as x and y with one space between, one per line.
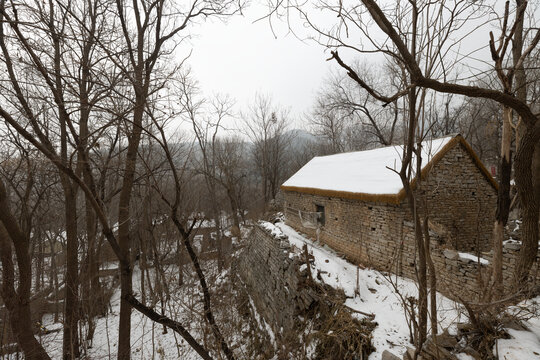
463 277
458 276
365 232
270 273
459 197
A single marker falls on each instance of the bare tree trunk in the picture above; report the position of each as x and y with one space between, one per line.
529 206
419 238
124 221
529 203
17 301
520 76
39 266
219 233
503 205
432 275
234 206
71 309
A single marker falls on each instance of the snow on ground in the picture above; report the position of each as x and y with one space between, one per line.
378 296
375 295
108 265
147 338
523 344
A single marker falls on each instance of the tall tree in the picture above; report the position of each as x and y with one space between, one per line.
266 126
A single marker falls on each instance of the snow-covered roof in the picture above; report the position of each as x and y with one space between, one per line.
367 175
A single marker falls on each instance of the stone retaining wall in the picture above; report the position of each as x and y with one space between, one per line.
462 277
270 273
457 277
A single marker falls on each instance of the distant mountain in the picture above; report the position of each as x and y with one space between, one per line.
302 135
301 139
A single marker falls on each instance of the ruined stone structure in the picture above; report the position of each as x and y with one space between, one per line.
375 229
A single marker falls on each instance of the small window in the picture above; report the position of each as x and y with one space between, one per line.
320 215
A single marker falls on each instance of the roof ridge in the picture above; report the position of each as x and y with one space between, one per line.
387 146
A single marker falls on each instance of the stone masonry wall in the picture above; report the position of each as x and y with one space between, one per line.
271 275
460 198
460 276
365 232
457 276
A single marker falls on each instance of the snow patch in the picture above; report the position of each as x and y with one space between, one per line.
467 256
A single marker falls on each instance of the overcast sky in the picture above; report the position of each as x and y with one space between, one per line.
241 58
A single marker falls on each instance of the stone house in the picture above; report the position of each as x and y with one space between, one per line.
356 204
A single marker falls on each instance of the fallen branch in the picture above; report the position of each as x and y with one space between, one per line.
360 312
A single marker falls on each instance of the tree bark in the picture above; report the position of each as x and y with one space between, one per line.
529 203
71 309
124 222
432 275
503 205
17 301
520 75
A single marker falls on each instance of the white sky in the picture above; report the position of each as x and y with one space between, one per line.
241 58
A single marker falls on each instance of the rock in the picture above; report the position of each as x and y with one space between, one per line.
512 246
450 254
432 351
514 324
387 355
446 340
470 351
464 328
409 354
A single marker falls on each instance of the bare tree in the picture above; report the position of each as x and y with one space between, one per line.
184 225
206 130
232 170
17 282
341 106
266 126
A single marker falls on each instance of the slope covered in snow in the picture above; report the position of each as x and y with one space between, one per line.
372 292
